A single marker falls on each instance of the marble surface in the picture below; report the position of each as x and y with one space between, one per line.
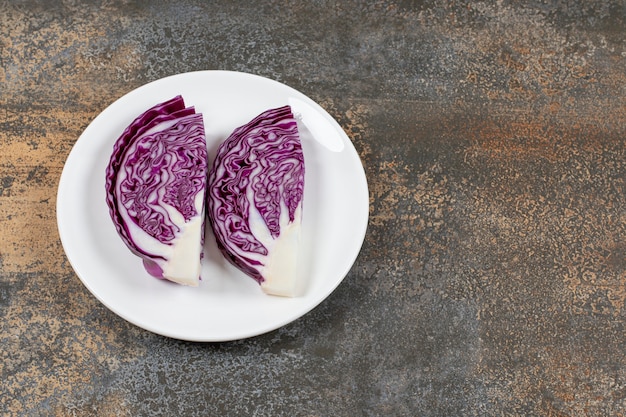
492 280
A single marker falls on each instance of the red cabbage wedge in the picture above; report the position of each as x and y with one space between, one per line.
254 199
155 190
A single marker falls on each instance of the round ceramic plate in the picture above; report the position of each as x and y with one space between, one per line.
227 305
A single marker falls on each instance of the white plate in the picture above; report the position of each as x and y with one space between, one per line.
227 305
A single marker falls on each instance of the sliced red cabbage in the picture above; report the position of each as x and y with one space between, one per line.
155 190
254 199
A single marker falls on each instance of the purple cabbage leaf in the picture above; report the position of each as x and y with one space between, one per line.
254 199
155 190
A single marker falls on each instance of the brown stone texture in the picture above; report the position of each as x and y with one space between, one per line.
492 279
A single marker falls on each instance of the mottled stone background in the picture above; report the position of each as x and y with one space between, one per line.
492 281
